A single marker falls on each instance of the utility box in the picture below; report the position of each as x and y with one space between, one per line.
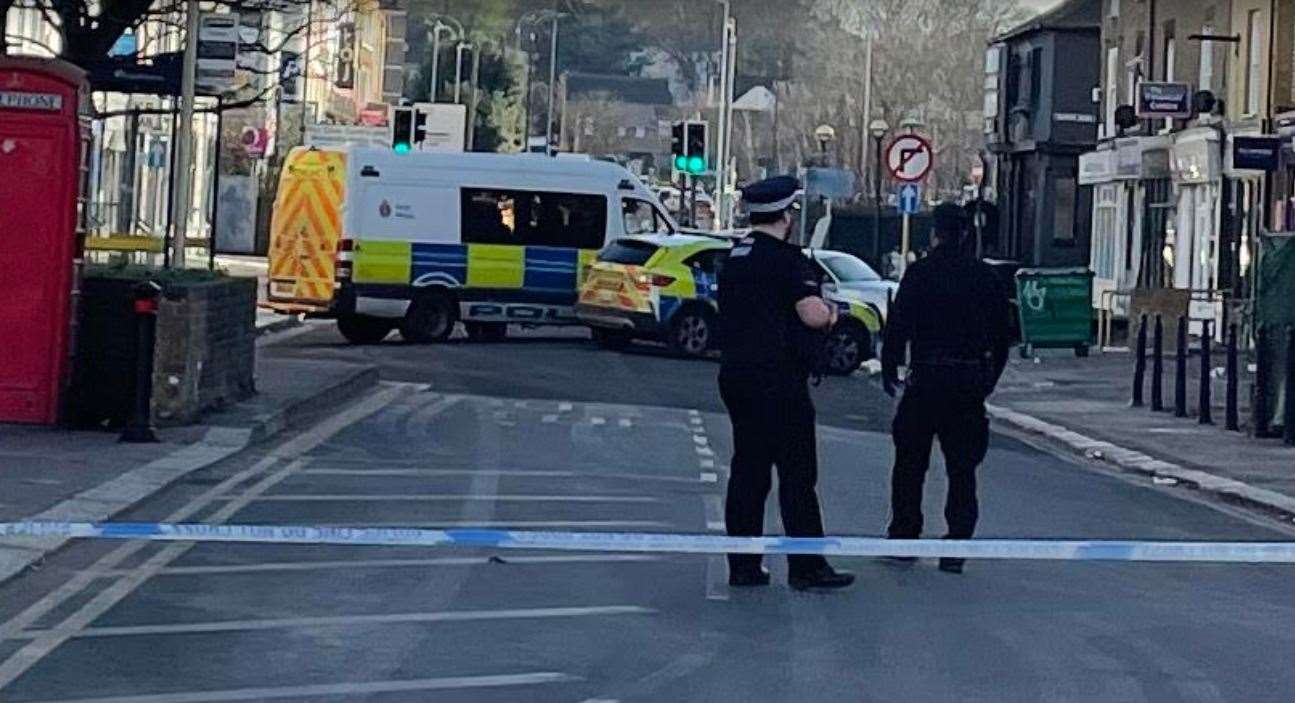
44 133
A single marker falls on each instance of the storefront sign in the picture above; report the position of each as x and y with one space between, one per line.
1096 167
1128 158
1255 153
1164 100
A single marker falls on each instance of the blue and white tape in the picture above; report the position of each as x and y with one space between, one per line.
1063 550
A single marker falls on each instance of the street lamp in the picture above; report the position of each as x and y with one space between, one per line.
438 25
825 135
458 68
878 129
531 18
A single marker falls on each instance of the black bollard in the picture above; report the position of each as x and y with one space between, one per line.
1233 418
139 429
1262 362
1158 366
1140 363
1206 399
1180 370
1288 417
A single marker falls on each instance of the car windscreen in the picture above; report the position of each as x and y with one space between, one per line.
630 252
848 269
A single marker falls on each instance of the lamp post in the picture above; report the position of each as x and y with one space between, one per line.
530 19
825 135
458 69
438 25
878 129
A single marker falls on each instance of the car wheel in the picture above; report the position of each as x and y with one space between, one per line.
363 329
430 318
610 339
487 331
848 346
692 333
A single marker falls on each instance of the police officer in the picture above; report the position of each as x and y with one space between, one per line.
769 295
949 322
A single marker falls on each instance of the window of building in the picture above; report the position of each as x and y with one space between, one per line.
1036 78
1254 34
1206 79
533 218
1063 210
1113 10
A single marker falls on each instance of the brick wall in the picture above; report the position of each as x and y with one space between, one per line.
206 349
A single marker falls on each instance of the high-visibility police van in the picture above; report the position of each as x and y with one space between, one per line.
432 239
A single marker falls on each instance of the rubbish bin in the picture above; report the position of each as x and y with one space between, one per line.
1056 309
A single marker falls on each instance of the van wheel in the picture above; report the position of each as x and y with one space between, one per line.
692 332
487 331
848 346
430 318
363 329
614 340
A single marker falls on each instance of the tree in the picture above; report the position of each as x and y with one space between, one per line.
496 116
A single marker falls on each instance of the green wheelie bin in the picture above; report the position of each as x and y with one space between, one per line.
1056 309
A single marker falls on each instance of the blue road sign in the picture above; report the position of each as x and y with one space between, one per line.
910 198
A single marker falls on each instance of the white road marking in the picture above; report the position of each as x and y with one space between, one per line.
597 421
714 513
625 422
523 473
700 440
274 567
565 407
549 419
22 660
707 463
443 498
340 689
351 620
709 477
705 451
520 524
716 578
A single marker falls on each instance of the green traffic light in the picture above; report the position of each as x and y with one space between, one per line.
696 164
401 148
681 162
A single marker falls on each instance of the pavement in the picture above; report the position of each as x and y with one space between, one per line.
1083 406
58 474
550 434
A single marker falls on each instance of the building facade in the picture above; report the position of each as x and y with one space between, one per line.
1180 202
1039 118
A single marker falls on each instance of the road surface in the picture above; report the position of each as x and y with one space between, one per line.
550 433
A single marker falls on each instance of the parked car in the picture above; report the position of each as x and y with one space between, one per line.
664 287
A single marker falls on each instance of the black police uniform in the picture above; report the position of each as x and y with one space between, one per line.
763 381
953 312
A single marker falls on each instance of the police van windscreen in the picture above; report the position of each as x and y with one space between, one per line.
630 252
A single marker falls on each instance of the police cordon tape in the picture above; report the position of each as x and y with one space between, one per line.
1063 550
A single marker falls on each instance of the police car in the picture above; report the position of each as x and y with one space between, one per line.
663 288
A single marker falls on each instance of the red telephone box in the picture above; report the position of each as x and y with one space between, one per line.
42 150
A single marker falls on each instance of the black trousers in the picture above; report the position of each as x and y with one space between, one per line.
963 430
773 424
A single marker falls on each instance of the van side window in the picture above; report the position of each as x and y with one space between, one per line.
533 218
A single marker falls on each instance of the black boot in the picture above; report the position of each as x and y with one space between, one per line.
951 565
744 578
824 577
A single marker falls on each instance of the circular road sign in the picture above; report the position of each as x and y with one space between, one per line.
909 158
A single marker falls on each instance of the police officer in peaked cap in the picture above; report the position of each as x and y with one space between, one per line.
769 299
949 324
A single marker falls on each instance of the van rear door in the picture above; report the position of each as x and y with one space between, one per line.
305 229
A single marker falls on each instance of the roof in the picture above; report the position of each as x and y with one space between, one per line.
629 89
1069 15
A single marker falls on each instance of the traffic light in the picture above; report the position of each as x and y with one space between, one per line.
678 147
695 147
688 147
402 129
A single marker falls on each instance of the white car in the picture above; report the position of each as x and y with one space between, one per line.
848 277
